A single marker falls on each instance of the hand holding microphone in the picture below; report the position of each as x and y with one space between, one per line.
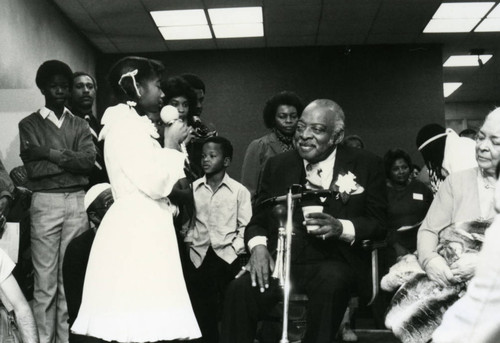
176 130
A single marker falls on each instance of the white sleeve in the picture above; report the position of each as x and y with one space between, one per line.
152 169
6 265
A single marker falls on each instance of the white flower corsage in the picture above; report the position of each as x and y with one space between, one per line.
346 185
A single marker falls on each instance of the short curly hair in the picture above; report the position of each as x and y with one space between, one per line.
282 98
392 156
177 86
226 146
51 68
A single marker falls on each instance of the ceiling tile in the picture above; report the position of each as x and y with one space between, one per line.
283 29
196 44
161 5
239 43
291 40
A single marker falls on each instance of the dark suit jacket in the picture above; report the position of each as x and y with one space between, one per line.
366 211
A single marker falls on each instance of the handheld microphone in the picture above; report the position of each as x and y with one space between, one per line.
169 114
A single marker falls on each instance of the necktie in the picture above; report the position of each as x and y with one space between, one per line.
313 176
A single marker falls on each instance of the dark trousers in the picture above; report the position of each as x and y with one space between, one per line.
207 285
328 285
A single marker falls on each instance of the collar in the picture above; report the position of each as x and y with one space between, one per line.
45 112
326 164
226 181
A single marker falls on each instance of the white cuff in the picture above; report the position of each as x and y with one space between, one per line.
348 233
257 240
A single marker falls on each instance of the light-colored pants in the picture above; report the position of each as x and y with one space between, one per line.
56 218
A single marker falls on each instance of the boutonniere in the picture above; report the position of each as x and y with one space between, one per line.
346 185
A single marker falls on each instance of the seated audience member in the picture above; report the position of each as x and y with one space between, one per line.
468 133
444 152
98 200
281 114
327 263
58 153
474 317
12 297
463 196
354 141
222 210
407 204
415 170
82 101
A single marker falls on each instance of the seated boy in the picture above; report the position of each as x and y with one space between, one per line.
222 210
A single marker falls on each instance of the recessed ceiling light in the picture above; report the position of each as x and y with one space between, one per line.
450 87
238 30
179 17
466 60
489 25
450 25
235 15
463 10
185 32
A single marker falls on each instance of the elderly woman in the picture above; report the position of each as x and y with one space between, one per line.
407 203
281 114
463 196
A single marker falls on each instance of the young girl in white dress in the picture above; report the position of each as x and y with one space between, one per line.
134 287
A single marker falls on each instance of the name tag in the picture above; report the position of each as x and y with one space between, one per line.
418 196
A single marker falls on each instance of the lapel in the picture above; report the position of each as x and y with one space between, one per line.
344 162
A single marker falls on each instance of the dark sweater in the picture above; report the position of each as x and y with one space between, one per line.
72 153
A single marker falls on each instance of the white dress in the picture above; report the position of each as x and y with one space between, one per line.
134 287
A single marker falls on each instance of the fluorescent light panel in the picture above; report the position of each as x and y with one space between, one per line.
235 22
465 60
463 10
450 25
235 15
185 32
455 17
238 30
179 18
495 13
489 25
450 87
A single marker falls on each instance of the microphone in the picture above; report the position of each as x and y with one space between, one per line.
310 193
169 114
279 212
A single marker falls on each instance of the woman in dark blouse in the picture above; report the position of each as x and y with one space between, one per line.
408 201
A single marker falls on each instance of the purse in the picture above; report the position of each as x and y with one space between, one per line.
9 332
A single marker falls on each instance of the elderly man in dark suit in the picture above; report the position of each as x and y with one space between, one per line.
328 263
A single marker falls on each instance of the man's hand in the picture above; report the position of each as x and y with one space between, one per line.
35 153
19 175
329 227
260 266
463 269
438 271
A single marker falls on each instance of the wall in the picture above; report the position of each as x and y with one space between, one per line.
32 31
463 115
387 92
